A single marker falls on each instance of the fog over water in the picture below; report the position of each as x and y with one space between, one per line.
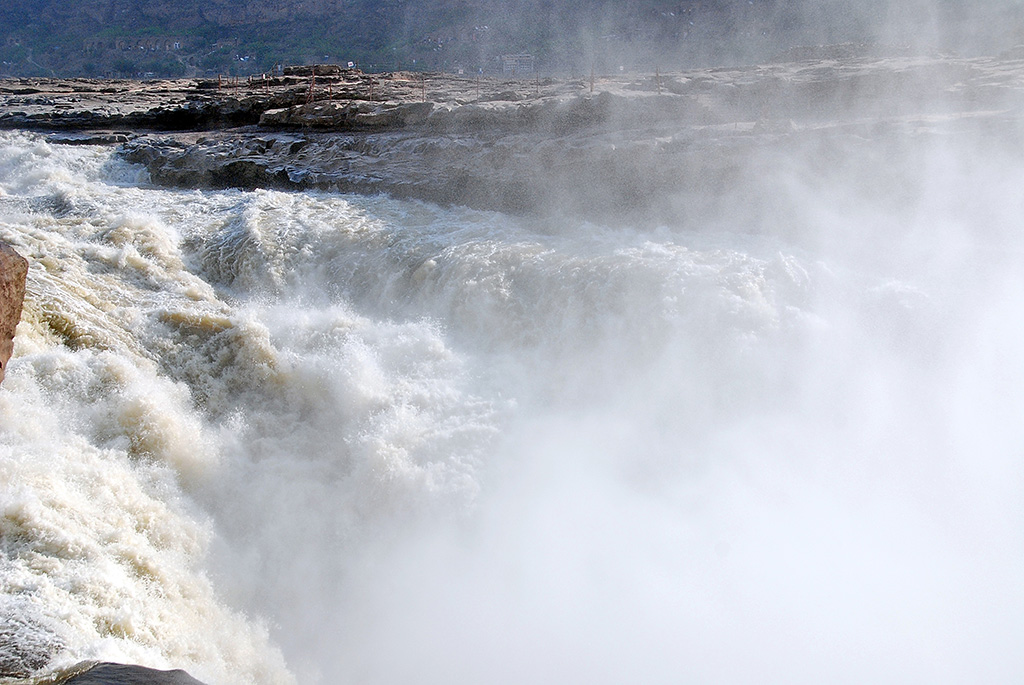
278 437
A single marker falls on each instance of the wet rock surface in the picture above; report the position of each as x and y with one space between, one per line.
13 273
26 645
647 144
123 674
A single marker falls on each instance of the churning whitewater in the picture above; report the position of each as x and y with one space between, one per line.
281 438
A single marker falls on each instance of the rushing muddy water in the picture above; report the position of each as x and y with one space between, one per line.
280 437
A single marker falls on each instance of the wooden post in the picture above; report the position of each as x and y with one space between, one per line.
591 78
423 86
657 78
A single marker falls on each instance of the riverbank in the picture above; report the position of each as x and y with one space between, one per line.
610 146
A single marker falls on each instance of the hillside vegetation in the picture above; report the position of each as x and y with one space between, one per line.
239 37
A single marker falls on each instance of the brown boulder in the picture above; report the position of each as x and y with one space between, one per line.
13 272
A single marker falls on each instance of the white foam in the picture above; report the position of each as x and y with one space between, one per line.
444 445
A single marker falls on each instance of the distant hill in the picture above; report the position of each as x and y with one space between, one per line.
239 37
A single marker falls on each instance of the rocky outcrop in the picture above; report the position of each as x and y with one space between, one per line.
814 86
643 144
124 674
91 138
13 272
656 147
589 174
175 105
318 96
347 116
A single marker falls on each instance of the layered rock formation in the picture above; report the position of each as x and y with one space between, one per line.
13 272
88 105
650 145
646 146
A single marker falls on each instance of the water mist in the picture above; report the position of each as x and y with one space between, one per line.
312 437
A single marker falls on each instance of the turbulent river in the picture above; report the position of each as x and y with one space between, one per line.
276 438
